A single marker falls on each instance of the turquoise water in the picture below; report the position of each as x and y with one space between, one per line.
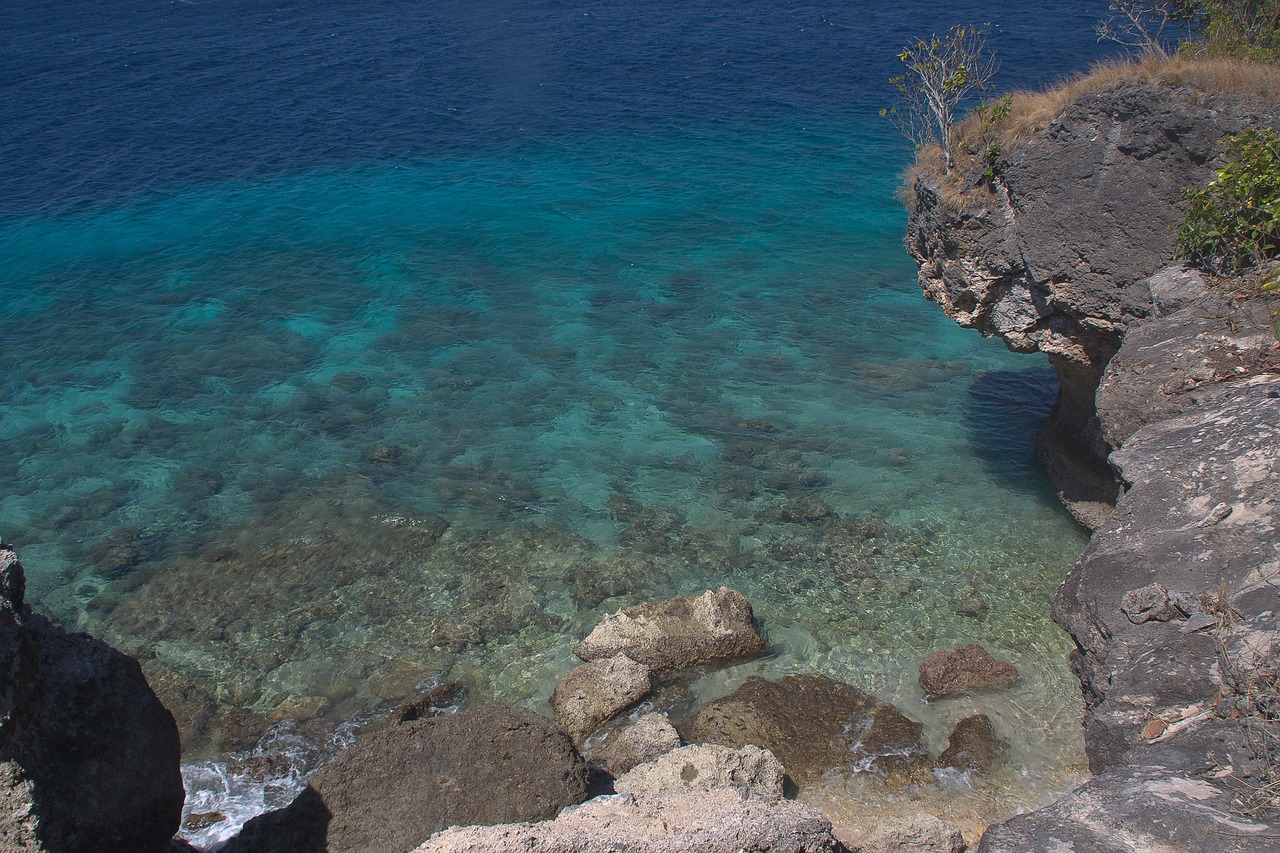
301 444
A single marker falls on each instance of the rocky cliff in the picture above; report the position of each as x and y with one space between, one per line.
1055 255
1171 401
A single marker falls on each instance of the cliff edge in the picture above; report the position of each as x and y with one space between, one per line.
1054 255
1170 402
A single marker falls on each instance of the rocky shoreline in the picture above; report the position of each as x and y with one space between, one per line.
1176 385
1170 409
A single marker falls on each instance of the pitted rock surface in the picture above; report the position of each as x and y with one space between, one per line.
636 743
722 821
678 633
706 767
588 695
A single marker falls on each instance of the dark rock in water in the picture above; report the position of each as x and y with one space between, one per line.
395 787
922 833
812 724
119 553
973 746
203 820
432 702
588 695
965 669
89 758
972 606
678 633
806 510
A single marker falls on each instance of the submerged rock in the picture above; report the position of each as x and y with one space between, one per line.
723 821
968 668
921 833
89 758
594 692
973 746
814 725
706 767
396 786
678 633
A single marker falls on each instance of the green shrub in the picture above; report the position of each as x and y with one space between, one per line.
1233 224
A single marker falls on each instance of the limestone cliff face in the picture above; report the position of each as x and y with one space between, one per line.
1056 255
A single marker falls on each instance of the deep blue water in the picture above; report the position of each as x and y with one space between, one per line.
352 345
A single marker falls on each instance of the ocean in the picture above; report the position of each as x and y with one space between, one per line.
349 348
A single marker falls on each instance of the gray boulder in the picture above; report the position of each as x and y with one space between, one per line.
89 758
588 695
812 724
706 767
963 670
723 821
678 633
395 787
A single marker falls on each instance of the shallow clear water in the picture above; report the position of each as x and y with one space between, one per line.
303 427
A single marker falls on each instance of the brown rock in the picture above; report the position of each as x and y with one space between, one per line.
594 692
678 633
644 740
396 786
433 701
965 669
973 746
812 724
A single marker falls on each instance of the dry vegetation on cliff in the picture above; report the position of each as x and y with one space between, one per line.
1031 112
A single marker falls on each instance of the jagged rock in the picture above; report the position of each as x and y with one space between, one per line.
395 787
812 724
644 740
706 767
89 758
724 821
921 833
968 668
678 633
973 746
1179 470
594 692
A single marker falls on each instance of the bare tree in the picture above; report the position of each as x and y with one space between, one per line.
942 72
1138 24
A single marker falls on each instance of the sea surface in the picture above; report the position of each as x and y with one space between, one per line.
348 348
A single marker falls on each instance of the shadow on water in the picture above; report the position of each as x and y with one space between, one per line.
1003 414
